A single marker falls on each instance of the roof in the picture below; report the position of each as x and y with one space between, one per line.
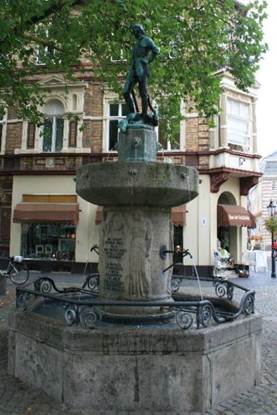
269 165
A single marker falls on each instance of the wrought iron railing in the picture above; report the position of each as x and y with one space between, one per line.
82 305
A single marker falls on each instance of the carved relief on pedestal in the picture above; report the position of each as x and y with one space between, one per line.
130 264
139 279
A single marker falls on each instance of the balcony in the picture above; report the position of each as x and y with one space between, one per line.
231 159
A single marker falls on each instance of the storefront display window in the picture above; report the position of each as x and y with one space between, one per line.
47 240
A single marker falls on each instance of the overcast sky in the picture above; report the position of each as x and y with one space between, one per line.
267 95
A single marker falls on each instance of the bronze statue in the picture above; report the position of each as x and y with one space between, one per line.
143 53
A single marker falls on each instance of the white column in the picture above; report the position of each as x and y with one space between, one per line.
223 121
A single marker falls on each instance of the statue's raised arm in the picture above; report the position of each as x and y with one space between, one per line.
143 52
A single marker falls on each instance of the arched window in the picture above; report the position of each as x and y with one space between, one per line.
227 198
53 126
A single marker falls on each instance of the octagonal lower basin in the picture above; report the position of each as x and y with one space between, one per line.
137 183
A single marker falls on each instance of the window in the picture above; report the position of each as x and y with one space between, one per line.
53 127
117 111
47 240
238 124
72 138
31 133
44 54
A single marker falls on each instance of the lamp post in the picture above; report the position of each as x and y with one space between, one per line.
271 208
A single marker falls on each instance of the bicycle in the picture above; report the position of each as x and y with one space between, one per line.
19 274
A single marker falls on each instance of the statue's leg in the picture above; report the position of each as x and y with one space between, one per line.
128 87
143 91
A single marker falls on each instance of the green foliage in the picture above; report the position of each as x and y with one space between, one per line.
271 224
196 38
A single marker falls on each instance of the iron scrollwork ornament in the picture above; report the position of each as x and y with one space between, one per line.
71 314
205 314
88 317
91 283
175 284
44 285
184 319
249 303
220 289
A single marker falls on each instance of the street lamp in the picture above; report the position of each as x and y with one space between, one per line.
271 208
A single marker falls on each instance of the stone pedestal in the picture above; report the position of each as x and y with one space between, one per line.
130 262
141 370
138 144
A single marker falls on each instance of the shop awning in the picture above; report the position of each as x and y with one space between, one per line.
178 215
46 212
232 215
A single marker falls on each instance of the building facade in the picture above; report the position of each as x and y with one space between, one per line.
260 197
42 218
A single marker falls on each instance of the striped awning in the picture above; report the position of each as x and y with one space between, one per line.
46 212
233 215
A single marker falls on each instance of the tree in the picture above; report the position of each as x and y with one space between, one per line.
271 224
196 38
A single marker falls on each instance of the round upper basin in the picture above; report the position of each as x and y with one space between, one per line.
122 183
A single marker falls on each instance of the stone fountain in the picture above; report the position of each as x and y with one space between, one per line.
137 193
135 358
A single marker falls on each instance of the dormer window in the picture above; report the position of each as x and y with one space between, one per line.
53 126
238 124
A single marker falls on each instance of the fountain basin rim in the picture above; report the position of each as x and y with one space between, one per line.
132 183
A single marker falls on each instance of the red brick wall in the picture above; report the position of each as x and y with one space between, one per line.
197 134
94 100
93 106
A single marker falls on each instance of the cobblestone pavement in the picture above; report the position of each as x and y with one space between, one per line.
19 399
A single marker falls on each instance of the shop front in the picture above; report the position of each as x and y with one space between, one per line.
48 226
230 218
48 241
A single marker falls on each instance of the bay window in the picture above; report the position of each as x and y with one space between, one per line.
238 124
